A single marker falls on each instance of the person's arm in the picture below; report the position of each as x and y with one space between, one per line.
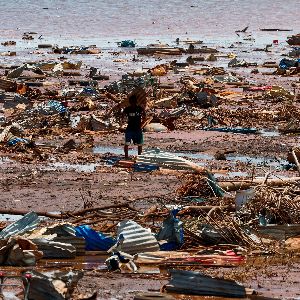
143 117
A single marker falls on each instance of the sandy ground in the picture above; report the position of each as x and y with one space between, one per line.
46 186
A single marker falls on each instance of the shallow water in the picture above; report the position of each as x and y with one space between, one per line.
89 167
10 218
261 161
14 218
101 21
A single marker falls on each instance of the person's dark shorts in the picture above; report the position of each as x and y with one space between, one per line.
134 136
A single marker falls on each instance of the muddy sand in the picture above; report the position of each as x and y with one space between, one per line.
67 180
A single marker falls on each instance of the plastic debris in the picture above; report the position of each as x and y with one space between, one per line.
128 43
94 240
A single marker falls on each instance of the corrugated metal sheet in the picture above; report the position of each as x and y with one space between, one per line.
77 242
136 238
43 286
140 94
29 222
188 282
55 249
280 232
177 111
166 160
62 230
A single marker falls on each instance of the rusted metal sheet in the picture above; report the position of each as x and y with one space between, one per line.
153 296
77 242
136 238
189 282
54 249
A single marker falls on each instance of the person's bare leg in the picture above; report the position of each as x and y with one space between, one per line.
126 151
140 150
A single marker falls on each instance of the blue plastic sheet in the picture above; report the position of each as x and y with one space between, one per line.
286 63
94 241
140 167
169 246
16 140
172 232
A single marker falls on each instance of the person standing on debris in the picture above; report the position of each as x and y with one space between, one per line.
135 116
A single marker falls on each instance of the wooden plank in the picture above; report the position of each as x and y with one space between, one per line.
8 85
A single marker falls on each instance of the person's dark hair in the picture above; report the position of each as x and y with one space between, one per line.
132 99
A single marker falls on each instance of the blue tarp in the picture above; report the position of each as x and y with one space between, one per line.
94 241
140 167
172 232
286 63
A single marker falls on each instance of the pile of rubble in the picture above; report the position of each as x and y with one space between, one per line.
204 216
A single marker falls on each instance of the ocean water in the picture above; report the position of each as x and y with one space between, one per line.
146 20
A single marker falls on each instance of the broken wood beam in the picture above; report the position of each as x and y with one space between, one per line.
246 184
296 160
65 215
